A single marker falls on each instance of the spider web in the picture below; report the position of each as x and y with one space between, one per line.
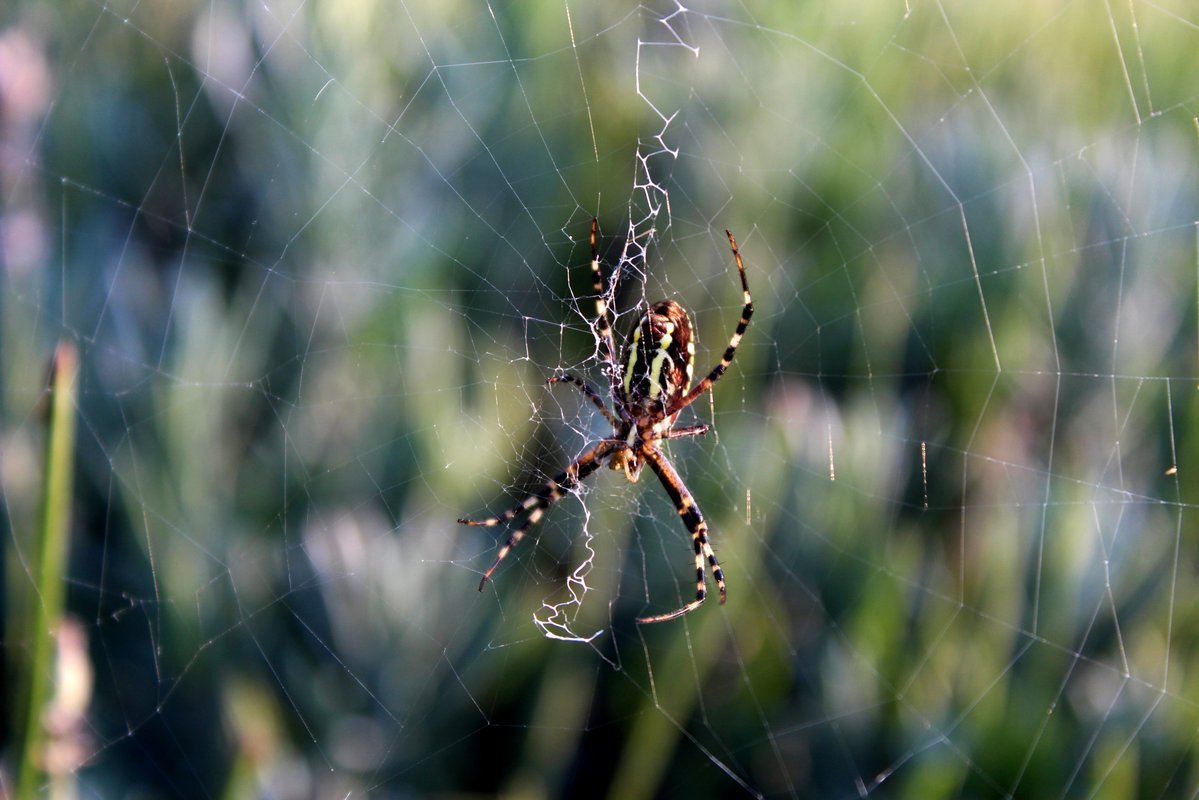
319 260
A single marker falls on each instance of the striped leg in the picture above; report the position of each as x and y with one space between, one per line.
591 394
731 350
690 430
603 317
685 504
541 499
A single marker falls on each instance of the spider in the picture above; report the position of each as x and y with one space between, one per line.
650 386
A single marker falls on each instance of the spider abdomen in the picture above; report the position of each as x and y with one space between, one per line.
658 360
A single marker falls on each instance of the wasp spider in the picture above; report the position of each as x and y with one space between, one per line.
650 386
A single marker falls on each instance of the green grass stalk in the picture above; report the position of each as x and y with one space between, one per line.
46 610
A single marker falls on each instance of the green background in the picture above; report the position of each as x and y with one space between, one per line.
318 260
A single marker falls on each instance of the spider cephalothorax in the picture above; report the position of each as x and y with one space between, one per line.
650 386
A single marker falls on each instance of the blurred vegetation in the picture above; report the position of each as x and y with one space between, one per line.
318 260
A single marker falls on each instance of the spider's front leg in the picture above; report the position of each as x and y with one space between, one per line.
539 500
693 518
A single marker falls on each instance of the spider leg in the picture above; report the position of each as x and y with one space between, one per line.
685 504
592 395
539 500
746 312
690 430
603 316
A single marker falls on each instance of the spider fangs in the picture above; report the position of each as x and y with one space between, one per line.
649 385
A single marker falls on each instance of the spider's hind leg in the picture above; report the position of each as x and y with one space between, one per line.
747 311
690 430
603 315
590 393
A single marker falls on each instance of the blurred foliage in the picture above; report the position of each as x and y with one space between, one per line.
318 260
